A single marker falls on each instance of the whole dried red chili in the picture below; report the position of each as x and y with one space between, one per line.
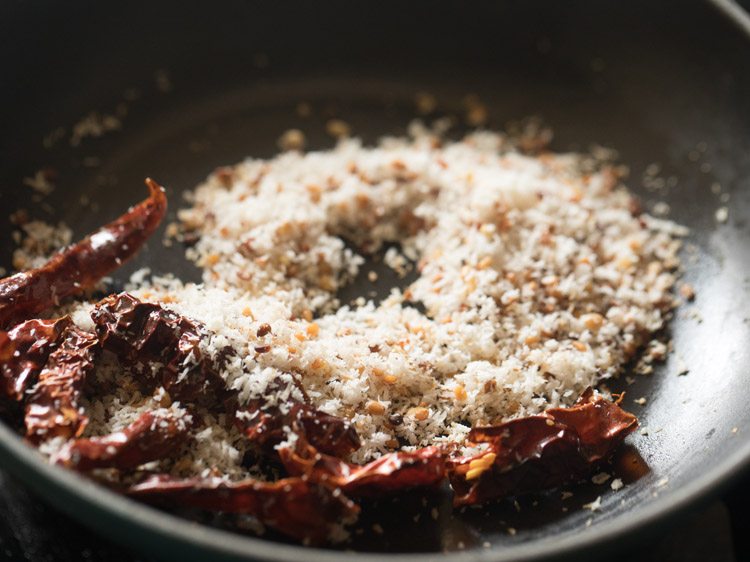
154 435
161 346
538 452
82 265
24 351
299 509
52 409
390 473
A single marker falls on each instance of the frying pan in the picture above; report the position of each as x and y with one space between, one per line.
195 85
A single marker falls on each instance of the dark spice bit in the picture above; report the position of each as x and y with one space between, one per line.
635 206
395 419
263 330
262 349
190 238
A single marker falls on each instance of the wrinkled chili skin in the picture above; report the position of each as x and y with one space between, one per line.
23 353
7 348
540 452
144 335
153 436
266 427
299 509
81 266
393 472
329 434
52 409
601 425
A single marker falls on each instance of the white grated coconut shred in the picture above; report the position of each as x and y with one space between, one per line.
537 276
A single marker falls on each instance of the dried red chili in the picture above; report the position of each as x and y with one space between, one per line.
267 426
24 351
300 509
390 473
54 358
7 349
52 409
538 452
82 265
161 346
154 435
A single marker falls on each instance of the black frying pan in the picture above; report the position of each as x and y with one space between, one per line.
661 82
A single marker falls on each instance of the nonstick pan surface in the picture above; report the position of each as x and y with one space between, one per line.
196 86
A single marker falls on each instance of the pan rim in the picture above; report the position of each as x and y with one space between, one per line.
150 529
147 527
